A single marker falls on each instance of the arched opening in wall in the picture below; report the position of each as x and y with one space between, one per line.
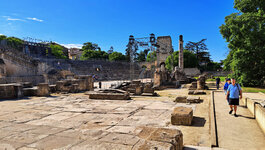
97 69
162 66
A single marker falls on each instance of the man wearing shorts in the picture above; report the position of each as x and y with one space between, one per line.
234 92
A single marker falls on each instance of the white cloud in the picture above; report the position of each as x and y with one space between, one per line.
13 19
35 19
73 45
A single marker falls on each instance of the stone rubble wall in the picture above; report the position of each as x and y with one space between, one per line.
33 79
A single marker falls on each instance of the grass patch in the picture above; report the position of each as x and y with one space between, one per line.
252 89
221 78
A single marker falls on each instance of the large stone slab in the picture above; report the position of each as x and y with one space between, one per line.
182 116
108 96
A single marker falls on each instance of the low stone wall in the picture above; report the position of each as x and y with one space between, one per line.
257 110
193 72
33 79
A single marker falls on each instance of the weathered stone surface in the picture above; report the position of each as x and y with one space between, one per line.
43 89
181 99
182 116
77 122
193 99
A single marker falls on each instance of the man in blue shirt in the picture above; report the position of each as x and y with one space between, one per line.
234 92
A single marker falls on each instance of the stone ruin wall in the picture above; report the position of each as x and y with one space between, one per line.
165 48
19 70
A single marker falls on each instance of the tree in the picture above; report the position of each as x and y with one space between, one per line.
116 56
94 54
151 57
141 56
111 50
245 33
190 60
90 46
201 51
2 37
57 51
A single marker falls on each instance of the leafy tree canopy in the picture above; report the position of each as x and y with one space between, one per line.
201 51
90 46
245 33
57 51
190 60
94 54
116 56
141 56
151 57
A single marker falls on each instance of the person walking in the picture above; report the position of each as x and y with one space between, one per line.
234 92
227 83
217 82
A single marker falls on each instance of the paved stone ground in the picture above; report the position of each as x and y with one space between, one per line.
237 133
76 122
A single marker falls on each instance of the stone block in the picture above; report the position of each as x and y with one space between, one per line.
182 116
193 99
191 92
74 88
181 99
27 85
108 96
7 91
43 89
160 138
131 90
52 88
148 88
138 90
137 82
82 85
30 91
18 90
199 92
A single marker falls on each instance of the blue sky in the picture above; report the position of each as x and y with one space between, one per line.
110 22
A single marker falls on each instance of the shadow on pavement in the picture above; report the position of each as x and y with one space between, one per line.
198 121
246 117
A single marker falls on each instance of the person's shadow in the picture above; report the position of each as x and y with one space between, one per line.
246 117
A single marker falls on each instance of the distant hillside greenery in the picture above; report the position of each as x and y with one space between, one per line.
16 43
13 42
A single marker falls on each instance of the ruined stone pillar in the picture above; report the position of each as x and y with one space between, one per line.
181 59
43 89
